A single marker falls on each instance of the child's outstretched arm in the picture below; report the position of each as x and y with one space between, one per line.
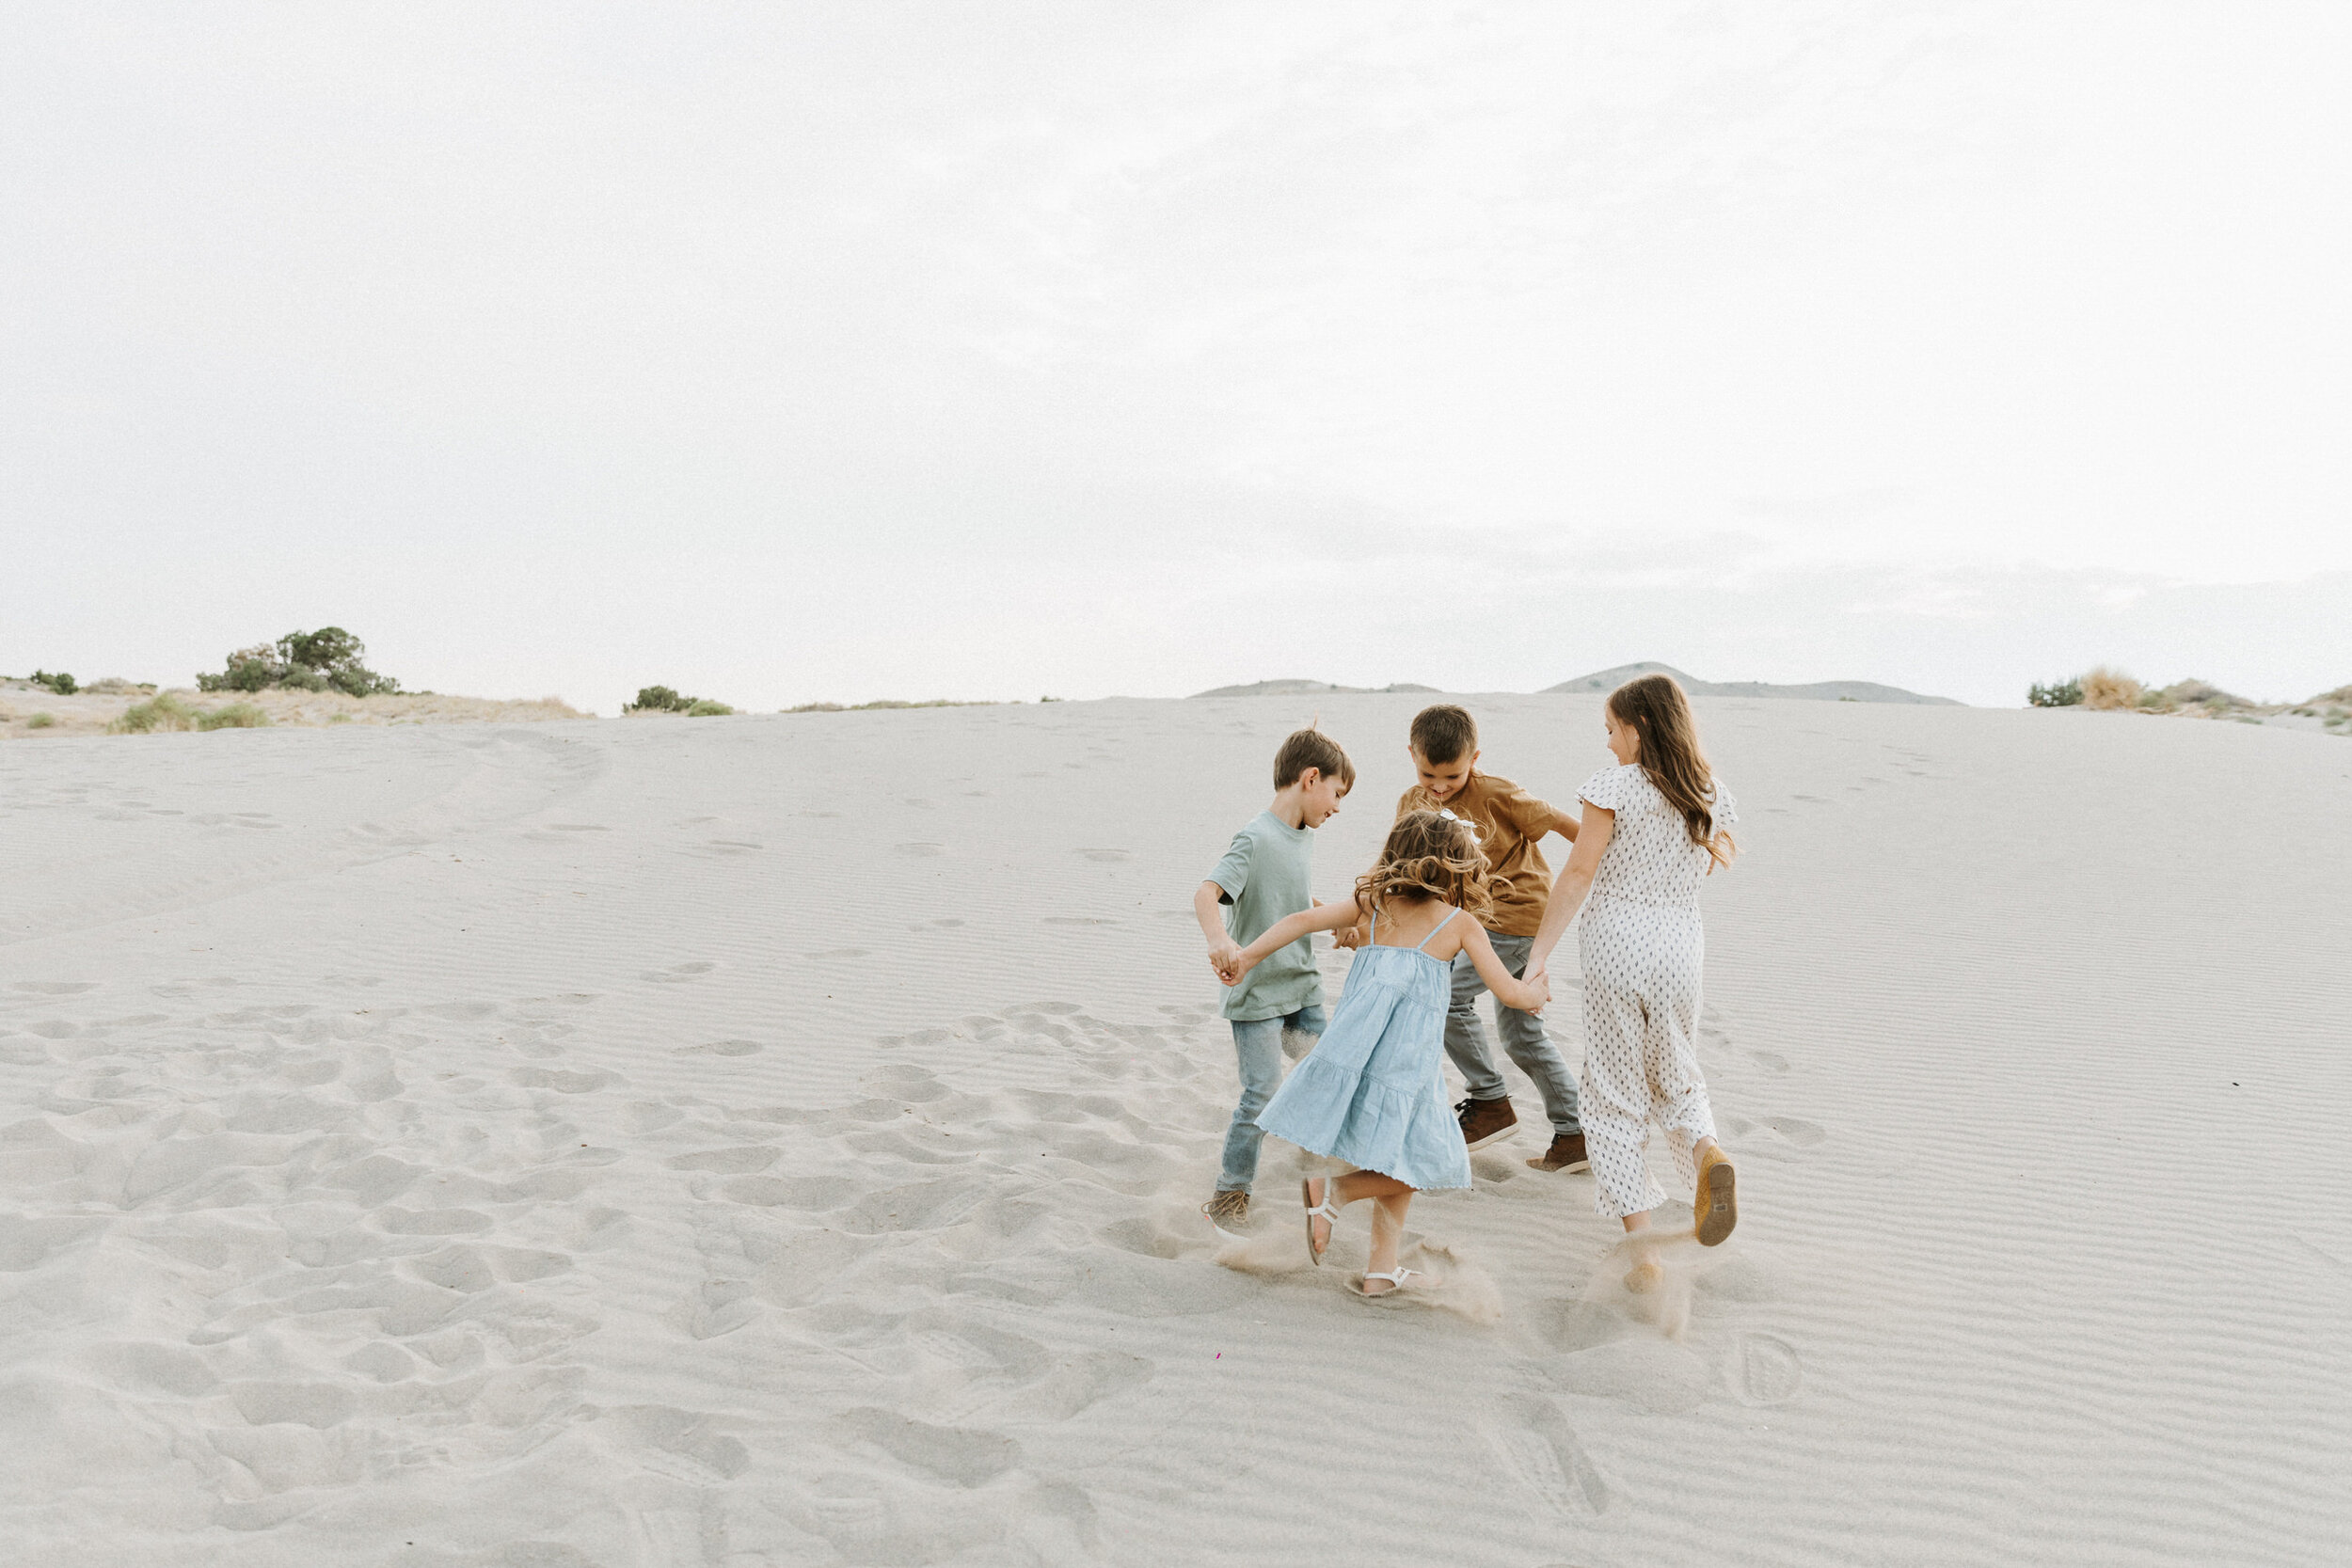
1322 917
1223 949
1574 881
1528 995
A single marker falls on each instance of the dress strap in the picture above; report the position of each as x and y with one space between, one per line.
1435 929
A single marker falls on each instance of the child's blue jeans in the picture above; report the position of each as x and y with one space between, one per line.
1258 1041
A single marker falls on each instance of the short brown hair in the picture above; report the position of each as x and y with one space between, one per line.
1312 748
1444 733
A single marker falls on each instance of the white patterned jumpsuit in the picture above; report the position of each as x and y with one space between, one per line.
1643 950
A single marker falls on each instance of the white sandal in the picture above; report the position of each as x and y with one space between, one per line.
1318 1212
1397 1279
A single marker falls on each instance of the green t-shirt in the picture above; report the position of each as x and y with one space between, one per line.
1264 876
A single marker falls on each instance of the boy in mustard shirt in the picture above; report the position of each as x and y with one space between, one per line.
1510 823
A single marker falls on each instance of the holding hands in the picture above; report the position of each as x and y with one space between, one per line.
1535 992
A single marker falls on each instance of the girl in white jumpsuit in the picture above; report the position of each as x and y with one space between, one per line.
1653 828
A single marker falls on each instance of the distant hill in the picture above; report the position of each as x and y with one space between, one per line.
1820 692
1305 688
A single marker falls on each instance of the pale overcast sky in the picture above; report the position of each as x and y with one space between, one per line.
779 351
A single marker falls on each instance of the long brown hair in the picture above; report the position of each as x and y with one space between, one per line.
1434 854
1655 709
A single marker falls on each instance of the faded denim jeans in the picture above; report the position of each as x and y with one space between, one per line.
1258 1042
1522 1034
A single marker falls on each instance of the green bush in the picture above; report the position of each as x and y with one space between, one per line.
658 698
40 722
236 716
165 712
57 681
2057 694
325 659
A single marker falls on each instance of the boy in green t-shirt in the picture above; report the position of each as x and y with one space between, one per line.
1264 876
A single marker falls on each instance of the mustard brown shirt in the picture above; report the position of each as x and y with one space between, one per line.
1509 821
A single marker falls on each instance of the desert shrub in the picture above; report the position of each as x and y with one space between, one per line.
325 659
2202 692
236 716
40 722
164 712
703 707
57 681
658 698
2110 690
2056 694
253 669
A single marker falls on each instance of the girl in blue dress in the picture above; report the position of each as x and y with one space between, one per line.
1373 1090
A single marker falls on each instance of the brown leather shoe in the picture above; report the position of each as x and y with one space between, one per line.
1487 1121
1565 1153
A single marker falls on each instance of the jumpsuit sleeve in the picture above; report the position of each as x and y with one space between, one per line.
1605 789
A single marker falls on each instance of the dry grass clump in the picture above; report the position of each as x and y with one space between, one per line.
2110 690
40 722
161 712
236 716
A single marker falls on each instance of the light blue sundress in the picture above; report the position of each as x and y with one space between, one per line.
1372 1092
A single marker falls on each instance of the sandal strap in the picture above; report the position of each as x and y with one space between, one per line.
1394 1277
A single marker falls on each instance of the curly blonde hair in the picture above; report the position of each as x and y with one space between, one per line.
1431 854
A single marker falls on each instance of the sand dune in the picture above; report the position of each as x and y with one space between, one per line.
93 712
777 1140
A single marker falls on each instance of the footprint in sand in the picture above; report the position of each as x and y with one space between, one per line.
1805 1134
1770 1371
920 851
1107 854
677 974
1537 1444
718 1047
